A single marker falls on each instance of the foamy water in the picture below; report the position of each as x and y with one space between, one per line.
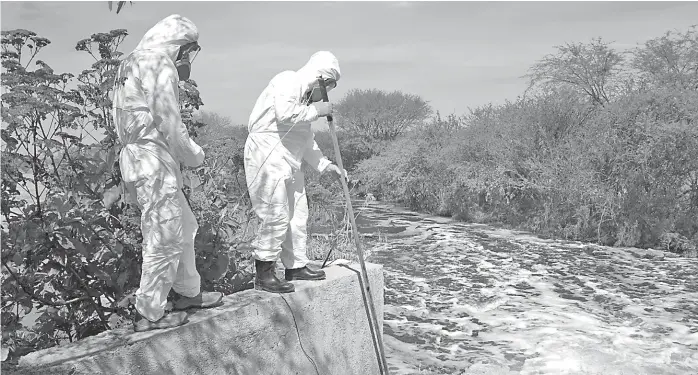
470 299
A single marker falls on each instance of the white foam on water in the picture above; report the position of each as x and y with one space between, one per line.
469 299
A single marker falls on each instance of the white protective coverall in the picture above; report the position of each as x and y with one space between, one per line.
148 122
279 139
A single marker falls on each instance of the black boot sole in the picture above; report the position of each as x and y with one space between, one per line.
272 290
295 278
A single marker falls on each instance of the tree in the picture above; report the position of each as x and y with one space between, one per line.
64 253
670 60
214 119
556 162
589 68
378 115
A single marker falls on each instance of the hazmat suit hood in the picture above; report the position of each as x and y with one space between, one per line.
322 63
168 35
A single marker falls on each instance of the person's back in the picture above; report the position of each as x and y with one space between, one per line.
133 119
146 102
269 126
155 142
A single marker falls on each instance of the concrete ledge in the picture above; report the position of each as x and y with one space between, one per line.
322 328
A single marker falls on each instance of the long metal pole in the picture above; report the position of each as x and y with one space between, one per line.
355 231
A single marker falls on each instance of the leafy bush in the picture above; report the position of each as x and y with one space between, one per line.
218 196
604 158
69 257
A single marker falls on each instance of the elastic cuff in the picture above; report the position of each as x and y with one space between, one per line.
323 164
266 256
312 113
191 288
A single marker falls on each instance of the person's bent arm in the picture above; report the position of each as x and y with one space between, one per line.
160 84
314 156
288 106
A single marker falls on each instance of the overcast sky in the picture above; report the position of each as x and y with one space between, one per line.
454 54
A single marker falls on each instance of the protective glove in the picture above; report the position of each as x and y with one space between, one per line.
336 172
323 108
195 156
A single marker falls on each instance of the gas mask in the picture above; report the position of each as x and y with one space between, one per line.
315 94
183 62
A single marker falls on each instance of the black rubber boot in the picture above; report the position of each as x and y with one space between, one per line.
304 273
266 279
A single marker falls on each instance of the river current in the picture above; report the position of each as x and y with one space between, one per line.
473 299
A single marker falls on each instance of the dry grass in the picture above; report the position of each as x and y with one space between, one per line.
342 248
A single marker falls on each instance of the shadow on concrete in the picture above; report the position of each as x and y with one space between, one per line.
319 329
375 327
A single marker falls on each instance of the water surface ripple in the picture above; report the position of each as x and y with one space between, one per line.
472 299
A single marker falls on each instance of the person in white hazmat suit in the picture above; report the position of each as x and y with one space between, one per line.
280 138
155 141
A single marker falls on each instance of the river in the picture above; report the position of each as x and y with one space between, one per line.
473 299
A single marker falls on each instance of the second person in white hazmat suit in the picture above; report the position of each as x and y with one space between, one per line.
155 141
280 138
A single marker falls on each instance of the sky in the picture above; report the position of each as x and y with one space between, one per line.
455 55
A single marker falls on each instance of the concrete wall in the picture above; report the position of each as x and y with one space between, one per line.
322 328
